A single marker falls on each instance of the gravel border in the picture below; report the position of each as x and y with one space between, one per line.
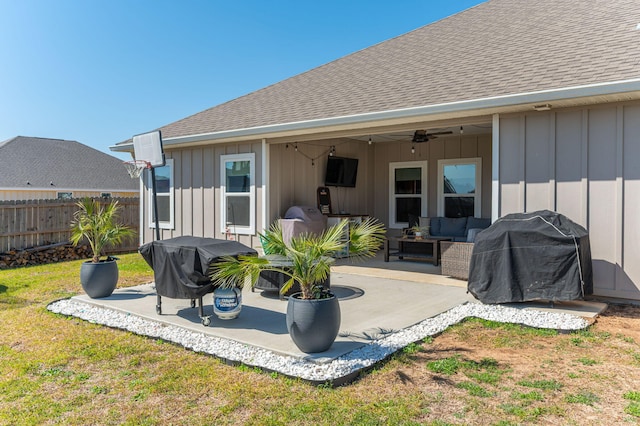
339 371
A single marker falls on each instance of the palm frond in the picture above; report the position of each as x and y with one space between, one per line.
305 259
366 238
272 240
97 224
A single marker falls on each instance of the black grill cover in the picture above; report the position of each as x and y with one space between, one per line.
181 265
531 256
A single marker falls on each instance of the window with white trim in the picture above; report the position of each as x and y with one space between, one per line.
238 193
407 192
164 195
459 187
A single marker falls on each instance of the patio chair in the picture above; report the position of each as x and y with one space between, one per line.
455 259
455 256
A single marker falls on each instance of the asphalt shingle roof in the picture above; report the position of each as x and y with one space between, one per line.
500 47
68 164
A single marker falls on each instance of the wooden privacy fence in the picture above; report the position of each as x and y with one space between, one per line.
35 223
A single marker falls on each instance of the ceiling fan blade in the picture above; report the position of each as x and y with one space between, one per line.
440 133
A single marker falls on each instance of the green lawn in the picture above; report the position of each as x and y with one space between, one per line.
59 370
54 367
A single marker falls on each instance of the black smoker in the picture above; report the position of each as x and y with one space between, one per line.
181 266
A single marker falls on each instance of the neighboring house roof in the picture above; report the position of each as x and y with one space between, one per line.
41 163
496 49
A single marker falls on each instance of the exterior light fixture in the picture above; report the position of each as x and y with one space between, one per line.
370 140
413 149
543 107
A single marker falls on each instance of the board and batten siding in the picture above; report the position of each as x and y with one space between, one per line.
584 164
296 175
196 183
442 148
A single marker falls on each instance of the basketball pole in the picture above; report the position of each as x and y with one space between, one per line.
148 148
155 202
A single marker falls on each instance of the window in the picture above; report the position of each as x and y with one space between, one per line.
238 193
459 184
407 192
164 193
105 195
65 195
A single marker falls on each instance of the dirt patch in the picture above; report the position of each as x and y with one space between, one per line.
483 373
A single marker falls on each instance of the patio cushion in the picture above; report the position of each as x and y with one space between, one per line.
435 226
424 222
477 223
471 234
455 227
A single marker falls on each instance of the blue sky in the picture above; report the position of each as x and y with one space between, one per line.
101 71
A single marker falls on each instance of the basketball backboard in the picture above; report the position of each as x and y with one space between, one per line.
148 147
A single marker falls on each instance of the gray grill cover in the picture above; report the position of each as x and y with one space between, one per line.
181 265
531 256
302 219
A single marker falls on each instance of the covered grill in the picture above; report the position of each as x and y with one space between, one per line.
531 256
302 219
181 265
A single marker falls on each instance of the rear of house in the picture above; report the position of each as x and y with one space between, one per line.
507 107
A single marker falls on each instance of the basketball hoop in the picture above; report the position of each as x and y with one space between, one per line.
135 167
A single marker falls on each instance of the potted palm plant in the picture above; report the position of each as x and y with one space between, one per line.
97 223
313 314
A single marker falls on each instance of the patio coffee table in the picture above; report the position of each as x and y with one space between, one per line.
415 248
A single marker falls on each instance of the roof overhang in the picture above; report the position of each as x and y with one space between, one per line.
617 91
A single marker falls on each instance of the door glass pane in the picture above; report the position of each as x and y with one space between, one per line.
407 206
408 180
459 206
238 213
460 179
238 175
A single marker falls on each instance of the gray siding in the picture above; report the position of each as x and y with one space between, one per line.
443 148
583 164
294 180
197 194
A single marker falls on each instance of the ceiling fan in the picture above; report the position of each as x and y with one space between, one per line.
420 136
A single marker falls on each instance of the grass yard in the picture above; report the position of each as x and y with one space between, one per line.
59 370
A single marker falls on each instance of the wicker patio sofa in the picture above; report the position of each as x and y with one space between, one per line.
455 258
455 254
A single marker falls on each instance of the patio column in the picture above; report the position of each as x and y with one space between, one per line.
495 168
265 183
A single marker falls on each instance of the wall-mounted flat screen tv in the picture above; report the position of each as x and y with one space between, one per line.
341 172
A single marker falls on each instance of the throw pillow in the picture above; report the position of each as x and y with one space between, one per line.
476 222
434 226
453 226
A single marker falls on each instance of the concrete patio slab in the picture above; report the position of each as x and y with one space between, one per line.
376 298
371 307
379 301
